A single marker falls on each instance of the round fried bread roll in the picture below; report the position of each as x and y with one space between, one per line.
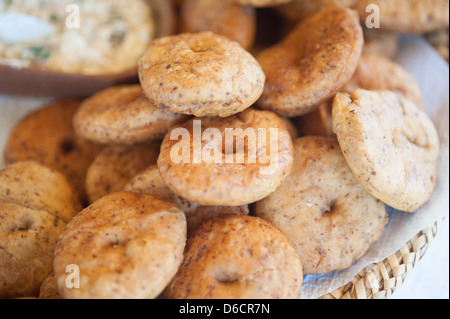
36 203
323 210
391 146
229 161
47 136
125 245
312 63
150 181
123 115
237 257
224 17
407 16
201 74
116 165
375 72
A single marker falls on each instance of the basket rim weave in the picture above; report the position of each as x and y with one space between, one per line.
380 280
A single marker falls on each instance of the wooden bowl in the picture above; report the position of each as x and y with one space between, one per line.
39 82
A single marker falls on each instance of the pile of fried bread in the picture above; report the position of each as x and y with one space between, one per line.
137 191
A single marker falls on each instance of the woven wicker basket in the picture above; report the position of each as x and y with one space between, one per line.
379 281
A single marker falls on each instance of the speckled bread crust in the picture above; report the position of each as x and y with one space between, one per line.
312 63
323 210
390 145
375 72
126 245
261 3
36 202
223 17
408 16
200 74
297 10
150 181
381 43
116 165
47 136
229 182
237 257
123 115
48 289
